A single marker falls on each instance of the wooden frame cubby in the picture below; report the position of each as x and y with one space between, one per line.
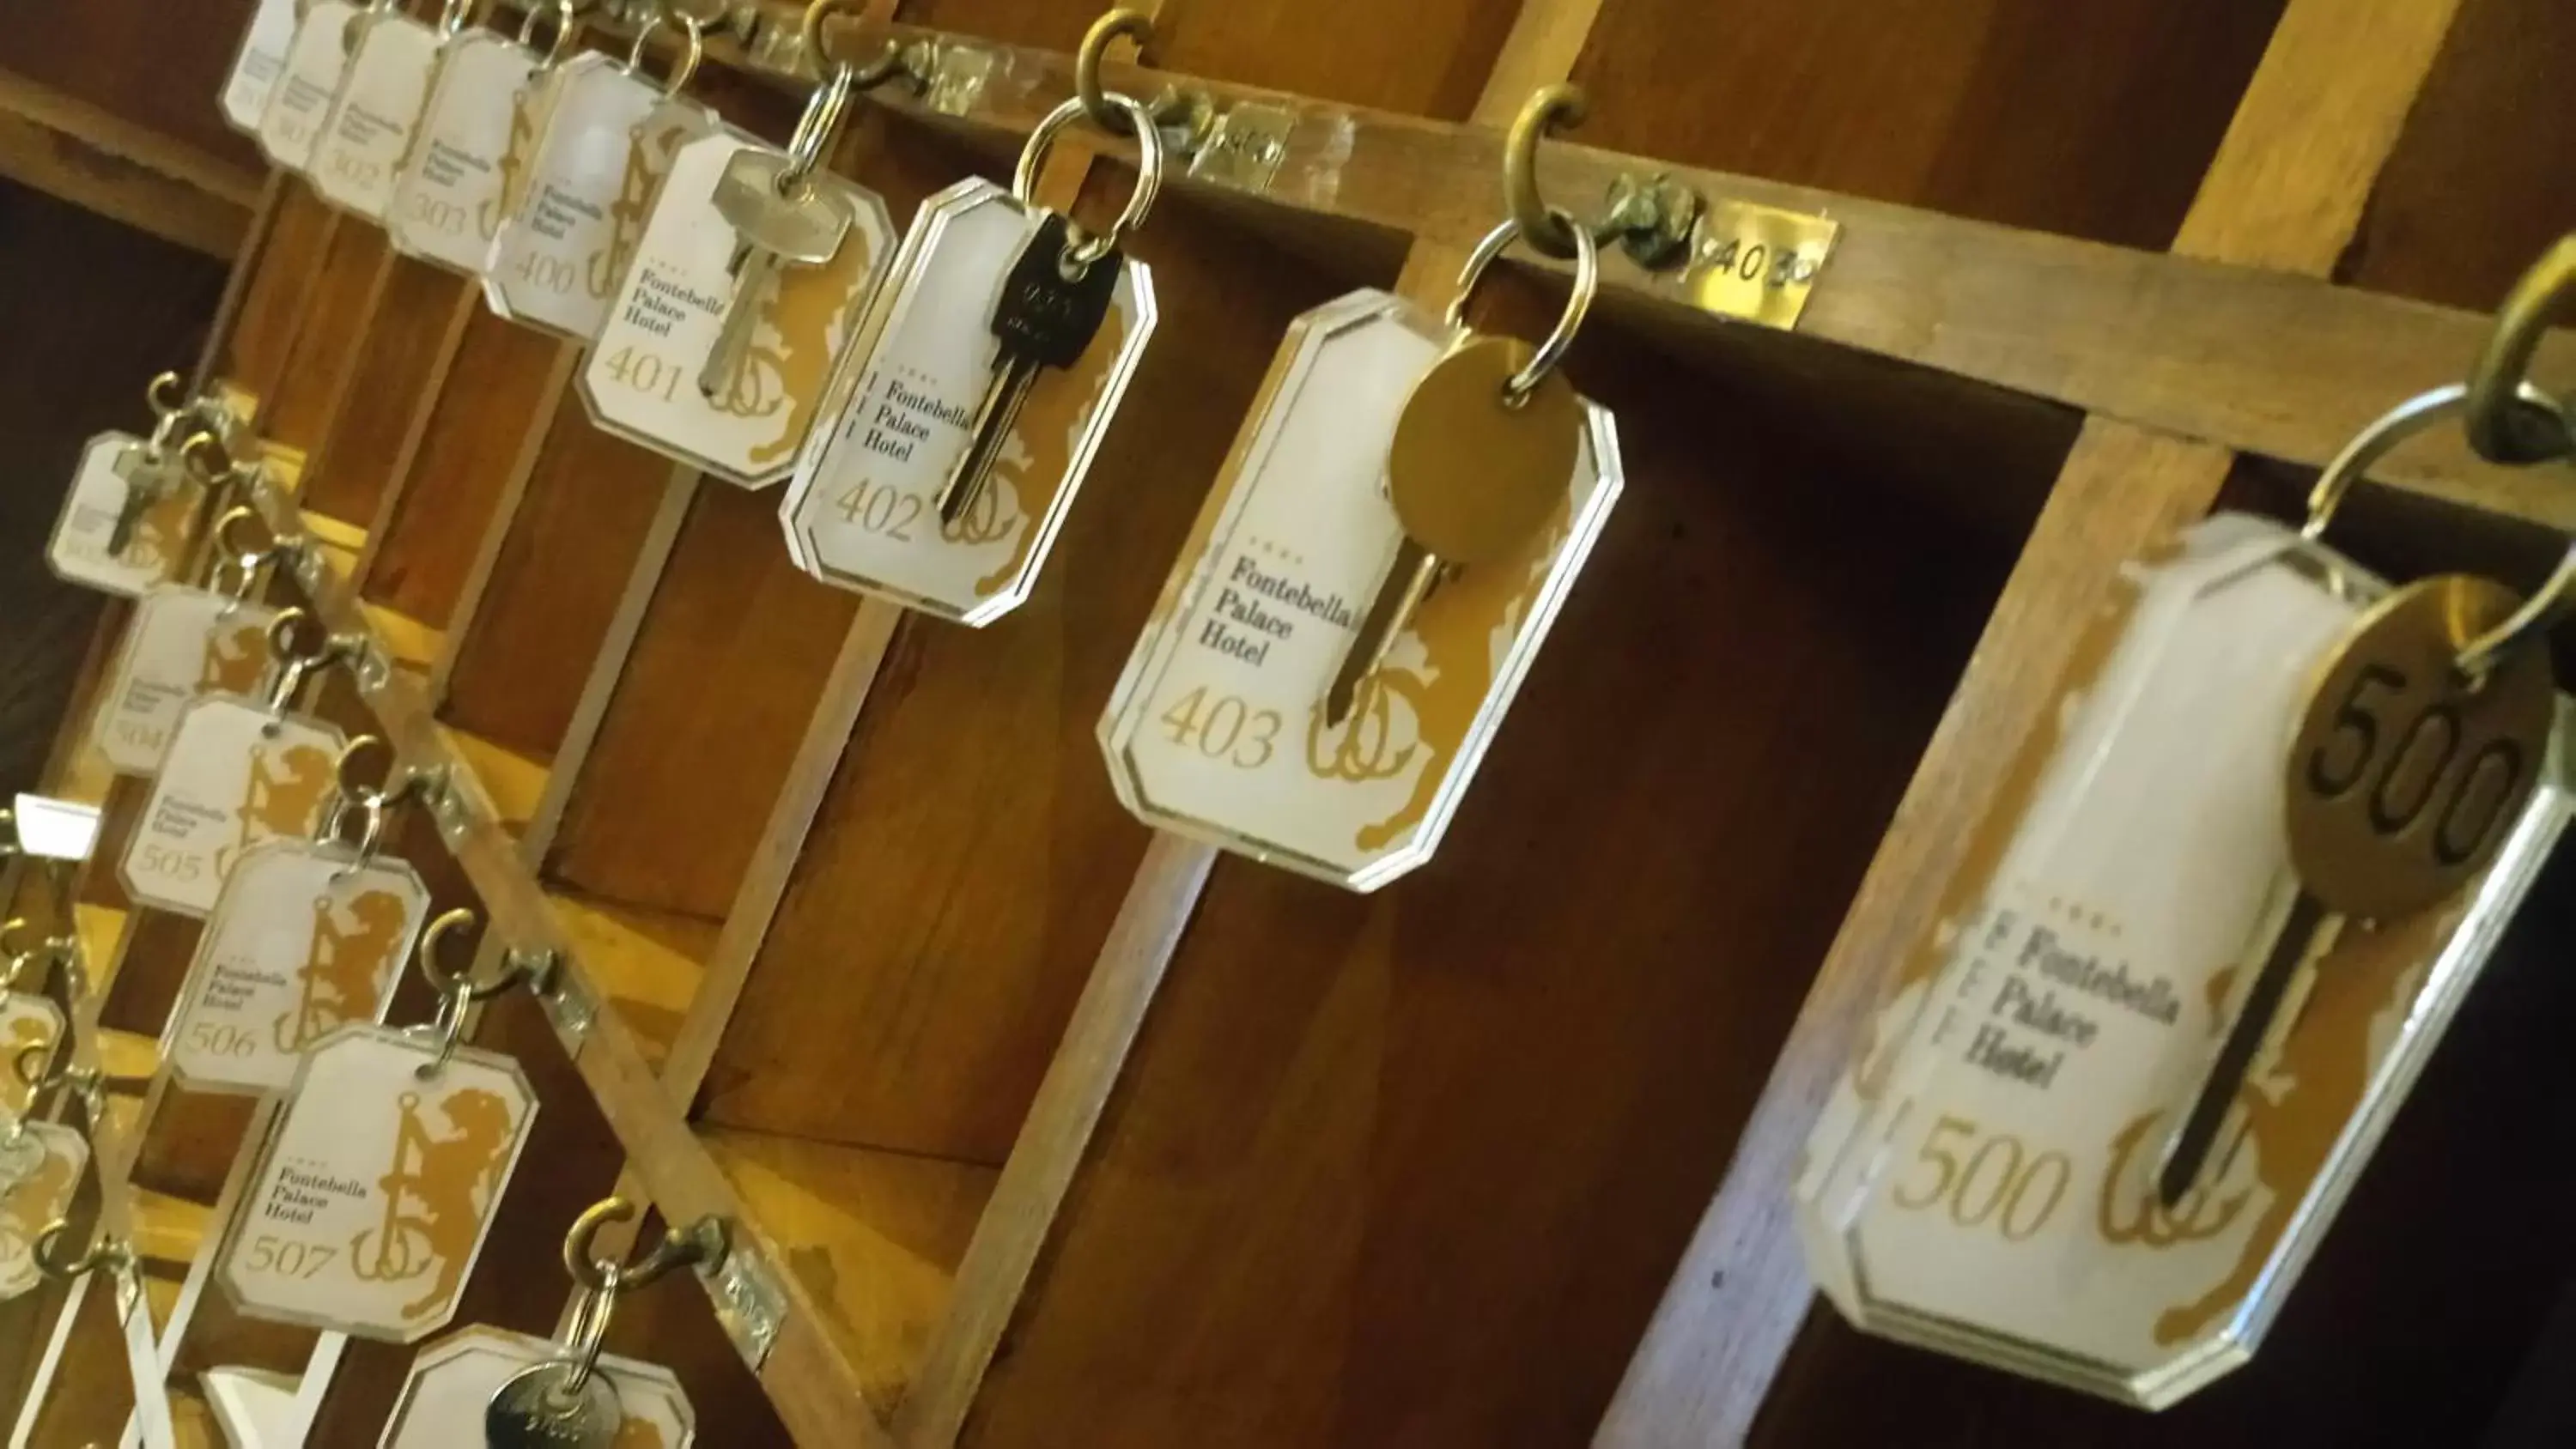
1023 1116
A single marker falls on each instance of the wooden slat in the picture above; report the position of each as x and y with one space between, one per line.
2250 356
94 158
2333 89
817 1390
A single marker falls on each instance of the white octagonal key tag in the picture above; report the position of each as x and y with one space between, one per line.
316 62
1218 730
369 128
454 1379
305 939
375 1192
235 774
644 379
181 643
860 515
79 551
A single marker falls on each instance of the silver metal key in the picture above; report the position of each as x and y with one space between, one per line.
146 474
779 226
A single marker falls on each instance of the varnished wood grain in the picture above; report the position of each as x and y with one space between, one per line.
337 317
281 280
397 362
967 861
700 732
158 68
540 606
2474 192
874 1237
2260 360
98 160
471 435
2005 110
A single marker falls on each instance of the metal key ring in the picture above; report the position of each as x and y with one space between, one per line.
1578 302
815 131
2538 613
1149 171
589 1332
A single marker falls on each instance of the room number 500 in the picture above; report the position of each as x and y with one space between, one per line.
1999 1181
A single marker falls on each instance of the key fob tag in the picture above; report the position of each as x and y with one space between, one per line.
235 774
317 60
596 160
453 1383
81 549
181 642
306 937
369 128
257 64
1217 728
1984 1179
861 513
448 195
647 377
374 1194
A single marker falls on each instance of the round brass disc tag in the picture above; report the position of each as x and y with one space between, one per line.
1473 478
2403 780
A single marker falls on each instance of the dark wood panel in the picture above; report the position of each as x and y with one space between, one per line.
95 310
338 312
2477 188
159 65
555 585
475 431
391 367
2010 110
726 669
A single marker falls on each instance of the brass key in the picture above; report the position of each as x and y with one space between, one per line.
1481 460
2403 782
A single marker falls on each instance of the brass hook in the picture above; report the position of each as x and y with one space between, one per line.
2504 426
194 452
1549 110
704 1245
1189 110
112 1256
172 384
32 1065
